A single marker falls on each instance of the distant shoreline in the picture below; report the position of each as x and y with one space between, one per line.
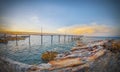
103 36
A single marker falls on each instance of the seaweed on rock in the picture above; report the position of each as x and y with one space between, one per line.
49 55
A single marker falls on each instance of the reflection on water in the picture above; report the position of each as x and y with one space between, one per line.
30 52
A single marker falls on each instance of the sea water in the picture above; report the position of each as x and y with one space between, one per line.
30 53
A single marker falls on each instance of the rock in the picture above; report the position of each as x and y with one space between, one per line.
45 66
79 43
33 69
59 56
49 55
70 62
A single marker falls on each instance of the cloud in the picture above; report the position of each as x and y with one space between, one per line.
35 19
92 29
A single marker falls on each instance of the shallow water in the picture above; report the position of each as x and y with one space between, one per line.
31 53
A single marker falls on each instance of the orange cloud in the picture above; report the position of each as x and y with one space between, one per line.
91 29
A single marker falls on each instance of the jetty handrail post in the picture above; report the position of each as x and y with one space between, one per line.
41 37
29 40
51 39
68 38
16 41
79 38
5 46
72 38
64 38
59 38
5 36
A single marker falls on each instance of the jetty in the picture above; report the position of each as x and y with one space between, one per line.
16 36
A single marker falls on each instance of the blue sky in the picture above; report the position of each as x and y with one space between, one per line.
61 16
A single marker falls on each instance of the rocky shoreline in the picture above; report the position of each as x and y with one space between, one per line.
93 57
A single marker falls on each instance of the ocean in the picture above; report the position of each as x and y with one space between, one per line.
30 53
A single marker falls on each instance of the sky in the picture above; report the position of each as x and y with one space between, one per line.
82 17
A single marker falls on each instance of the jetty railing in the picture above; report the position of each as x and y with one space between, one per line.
66 37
